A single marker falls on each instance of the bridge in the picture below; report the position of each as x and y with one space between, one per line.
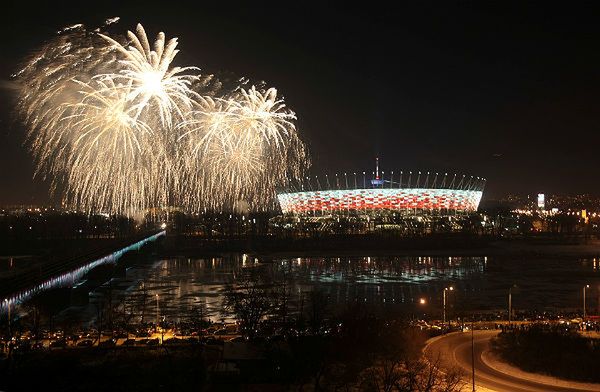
62 273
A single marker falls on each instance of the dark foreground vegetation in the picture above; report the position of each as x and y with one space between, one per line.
95 369
355 352
553 350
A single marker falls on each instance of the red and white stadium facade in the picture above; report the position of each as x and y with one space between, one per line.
429 194
363 200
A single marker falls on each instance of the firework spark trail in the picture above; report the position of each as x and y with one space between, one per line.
250 145
47 86
123 131
151 76
119 140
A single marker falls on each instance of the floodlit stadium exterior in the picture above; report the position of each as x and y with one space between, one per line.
448 196
363 200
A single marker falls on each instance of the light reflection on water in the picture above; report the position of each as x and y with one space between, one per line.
383 284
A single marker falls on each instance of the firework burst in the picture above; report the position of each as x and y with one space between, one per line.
153 79
250 145
121 130
109 145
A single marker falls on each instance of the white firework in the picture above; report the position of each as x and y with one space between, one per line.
249 144
153 79
120 129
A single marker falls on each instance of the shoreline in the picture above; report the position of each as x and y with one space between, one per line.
503 248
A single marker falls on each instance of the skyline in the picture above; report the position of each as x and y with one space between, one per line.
513 103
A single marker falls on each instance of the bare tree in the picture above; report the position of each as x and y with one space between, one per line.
122 316
411 375
426 376
198 317
384 376
143 301
33 318
284 297
318 309
400 366
249 300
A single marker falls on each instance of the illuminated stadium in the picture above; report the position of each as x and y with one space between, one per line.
383 194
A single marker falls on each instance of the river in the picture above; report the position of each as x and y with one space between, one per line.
176 288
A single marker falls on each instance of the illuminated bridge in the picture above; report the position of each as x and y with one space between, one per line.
62 273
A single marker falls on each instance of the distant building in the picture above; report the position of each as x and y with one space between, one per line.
541 201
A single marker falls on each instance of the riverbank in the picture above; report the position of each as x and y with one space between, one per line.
381 245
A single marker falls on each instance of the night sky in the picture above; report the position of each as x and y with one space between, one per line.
507 93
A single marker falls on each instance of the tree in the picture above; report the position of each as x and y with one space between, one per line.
249 300
318 303
143 301
399 365
284 297
198 318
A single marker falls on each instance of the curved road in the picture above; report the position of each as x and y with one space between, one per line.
455 350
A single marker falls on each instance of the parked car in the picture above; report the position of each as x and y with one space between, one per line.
129 342
60 343
213 341
23 345
85 343
108 343
172 341
153 342
73 338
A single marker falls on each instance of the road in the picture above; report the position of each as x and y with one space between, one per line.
455 350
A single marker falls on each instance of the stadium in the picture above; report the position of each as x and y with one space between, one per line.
379 194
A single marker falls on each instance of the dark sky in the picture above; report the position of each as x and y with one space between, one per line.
510 93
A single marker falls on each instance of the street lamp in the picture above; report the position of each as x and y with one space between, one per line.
445 290
587 286
510 303
422 303
473 351
157 311
8 306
